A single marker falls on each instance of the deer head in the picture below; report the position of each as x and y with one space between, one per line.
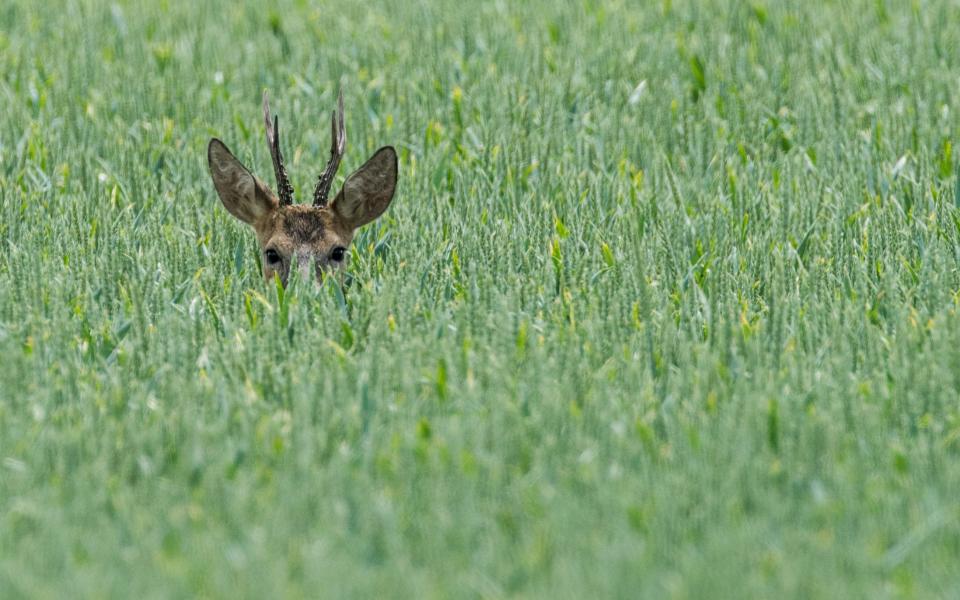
315 237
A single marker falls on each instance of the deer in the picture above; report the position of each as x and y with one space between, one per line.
313 237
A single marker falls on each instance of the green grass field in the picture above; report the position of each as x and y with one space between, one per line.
666 304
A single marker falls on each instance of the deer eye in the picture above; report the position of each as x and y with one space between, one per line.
337 254
273 257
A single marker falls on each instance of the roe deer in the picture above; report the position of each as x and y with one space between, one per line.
316 236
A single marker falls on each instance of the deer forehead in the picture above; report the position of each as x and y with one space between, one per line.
297 227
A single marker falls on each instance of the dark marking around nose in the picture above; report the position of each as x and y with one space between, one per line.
305 227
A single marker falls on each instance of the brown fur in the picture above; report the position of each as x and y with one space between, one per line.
307 232
307 235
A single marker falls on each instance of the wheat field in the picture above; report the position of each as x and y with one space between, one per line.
665 305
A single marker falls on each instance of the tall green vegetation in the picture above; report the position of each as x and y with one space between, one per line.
665 306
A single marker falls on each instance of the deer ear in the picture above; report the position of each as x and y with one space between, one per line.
242 194
367 192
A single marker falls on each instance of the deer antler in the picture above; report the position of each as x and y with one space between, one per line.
284 189
338 141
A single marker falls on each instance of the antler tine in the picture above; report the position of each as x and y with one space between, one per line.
284 189
338 141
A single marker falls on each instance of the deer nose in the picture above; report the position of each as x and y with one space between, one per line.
305 265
